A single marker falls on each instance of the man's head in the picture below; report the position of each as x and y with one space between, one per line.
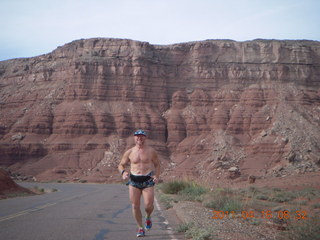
140 132
139 137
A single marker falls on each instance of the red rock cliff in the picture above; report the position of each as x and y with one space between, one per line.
207 106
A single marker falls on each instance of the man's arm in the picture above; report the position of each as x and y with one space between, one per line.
156 163
124 161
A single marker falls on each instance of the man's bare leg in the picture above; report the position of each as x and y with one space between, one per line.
135 196
148 198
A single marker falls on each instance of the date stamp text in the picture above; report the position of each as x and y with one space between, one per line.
298 215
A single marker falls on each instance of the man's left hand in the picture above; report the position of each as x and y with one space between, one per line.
155 180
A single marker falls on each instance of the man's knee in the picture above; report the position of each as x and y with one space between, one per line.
149 206
135 205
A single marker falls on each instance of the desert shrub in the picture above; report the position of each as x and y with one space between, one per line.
166 201
38 190
190 190
232 204
223 201
262 197
302 203
174 187
184 227
316 205
193 232
276 189
273 195
216 202
196 233
255 193
303 229
282 196
193 192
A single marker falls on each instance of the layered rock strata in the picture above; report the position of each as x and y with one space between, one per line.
207 106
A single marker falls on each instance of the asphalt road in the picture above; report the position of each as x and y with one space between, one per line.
77 212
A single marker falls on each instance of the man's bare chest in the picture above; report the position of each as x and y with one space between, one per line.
140 157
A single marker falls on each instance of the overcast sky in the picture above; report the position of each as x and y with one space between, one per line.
33 27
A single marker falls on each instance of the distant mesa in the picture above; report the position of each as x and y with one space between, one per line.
207 106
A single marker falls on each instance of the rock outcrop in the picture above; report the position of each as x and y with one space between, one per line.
207 106
8 188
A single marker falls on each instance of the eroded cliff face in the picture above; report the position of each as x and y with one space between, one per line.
207 106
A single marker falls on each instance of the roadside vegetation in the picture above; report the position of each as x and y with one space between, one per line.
295 213
38 190
193 232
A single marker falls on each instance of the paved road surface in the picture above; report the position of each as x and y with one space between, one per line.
76 212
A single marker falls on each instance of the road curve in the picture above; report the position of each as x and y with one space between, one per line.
76 212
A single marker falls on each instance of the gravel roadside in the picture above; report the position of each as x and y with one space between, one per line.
225 228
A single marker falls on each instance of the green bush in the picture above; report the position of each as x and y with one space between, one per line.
174 187
316 205
309 193
193 192
196 233
184 227
193 232
282 196
183 188
262 197
232 204
166 201
216 203
224 202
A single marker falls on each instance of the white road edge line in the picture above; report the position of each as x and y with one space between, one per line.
169 231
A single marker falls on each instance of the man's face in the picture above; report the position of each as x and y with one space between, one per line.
139 139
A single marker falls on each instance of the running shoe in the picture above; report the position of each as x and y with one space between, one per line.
148 223
140 232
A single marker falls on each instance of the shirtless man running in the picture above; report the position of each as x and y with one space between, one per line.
144 174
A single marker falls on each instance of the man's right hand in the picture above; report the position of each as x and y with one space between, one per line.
125 175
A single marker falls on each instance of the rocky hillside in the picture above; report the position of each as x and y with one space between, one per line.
213 109
8 188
